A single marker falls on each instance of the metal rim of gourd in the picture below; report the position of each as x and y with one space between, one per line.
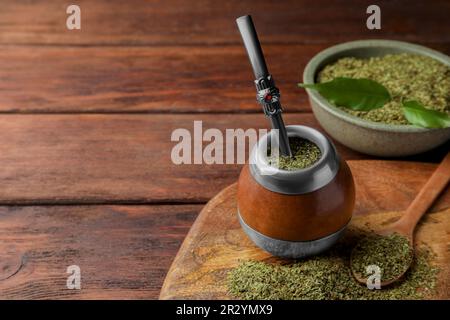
296 181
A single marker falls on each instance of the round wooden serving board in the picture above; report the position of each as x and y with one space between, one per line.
216 243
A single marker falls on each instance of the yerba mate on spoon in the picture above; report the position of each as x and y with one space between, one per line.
291 208
392 248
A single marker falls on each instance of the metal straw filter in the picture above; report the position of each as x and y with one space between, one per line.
267 94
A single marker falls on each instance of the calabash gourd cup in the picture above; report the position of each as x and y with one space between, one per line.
294 214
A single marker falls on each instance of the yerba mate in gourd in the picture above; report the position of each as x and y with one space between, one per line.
304 154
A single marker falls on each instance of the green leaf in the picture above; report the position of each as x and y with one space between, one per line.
417 114
356 94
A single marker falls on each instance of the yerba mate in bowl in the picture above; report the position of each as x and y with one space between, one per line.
390 136
406 76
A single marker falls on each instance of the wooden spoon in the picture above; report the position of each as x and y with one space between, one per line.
406 224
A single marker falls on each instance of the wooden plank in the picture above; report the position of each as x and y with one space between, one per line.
113 158
216 242
123 251
163 79
142 22
50 159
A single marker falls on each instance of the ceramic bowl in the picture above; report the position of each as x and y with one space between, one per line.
372 138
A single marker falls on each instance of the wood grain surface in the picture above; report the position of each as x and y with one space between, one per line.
160 22
123 251
145 79
140 69
216 242
113 158
142 79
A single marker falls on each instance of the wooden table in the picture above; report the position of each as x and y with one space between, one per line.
86 119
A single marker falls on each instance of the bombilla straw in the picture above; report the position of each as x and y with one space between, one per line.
267 94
